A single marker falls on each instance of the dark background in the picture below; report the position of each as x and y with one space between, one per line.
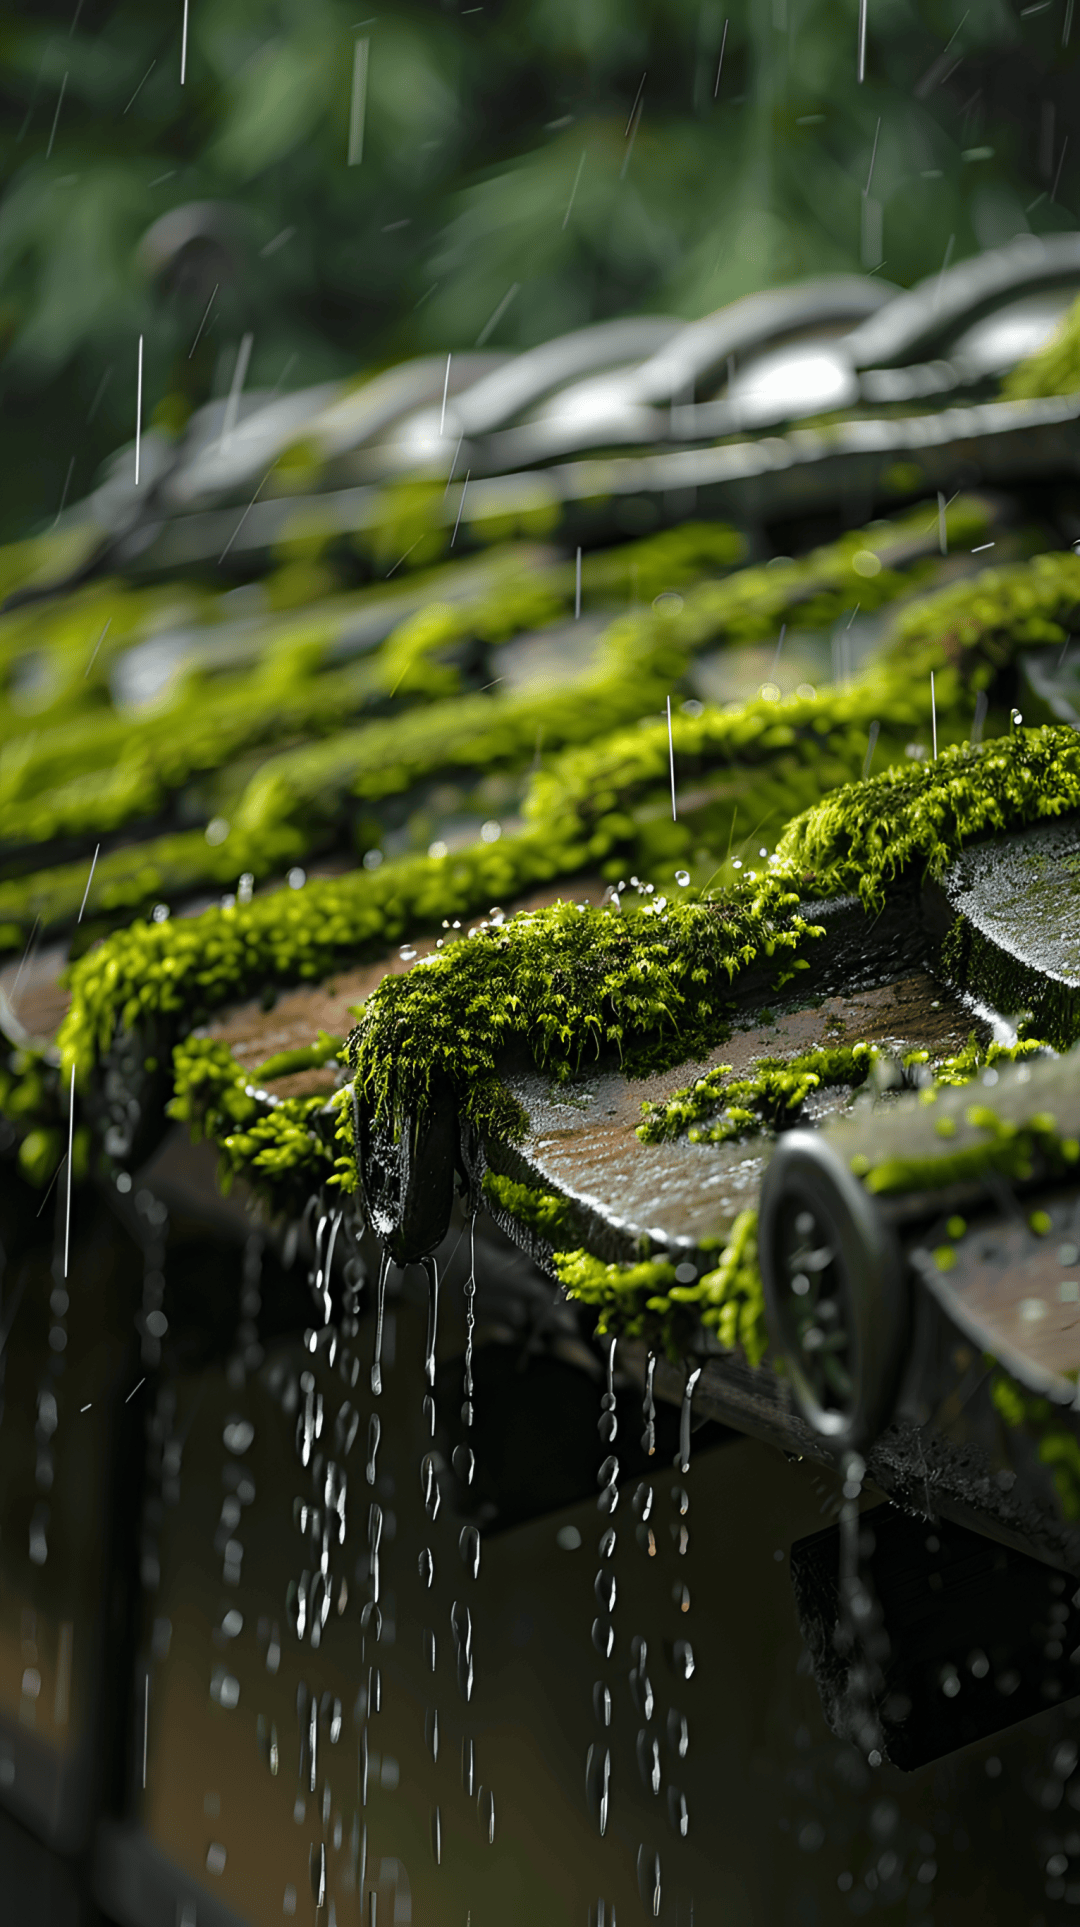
476 121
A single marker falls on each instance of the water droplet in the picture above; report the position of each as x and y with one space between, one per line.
682 878
426 1564
433 1320
469 1548
603 1637
429 1486
648 1437
487 1815
684 1421
380 1318
604 1588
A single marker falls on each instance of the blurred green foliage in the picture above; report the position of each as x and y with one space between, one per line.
502 150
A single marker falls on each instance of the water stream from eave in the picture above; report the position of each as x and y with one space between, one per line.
598 1773
663 1536
326 1431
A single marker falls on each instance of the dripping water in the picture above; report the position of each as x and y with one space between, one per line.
648 1437
598 1761
470 1326
380 1313
683 1460
373 1438
432 1270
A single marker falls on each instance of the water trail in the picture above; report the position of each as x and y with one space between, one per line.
648 1410
375 1526
860 1635
380 1315
432 1270
469 1548
598 1760
373 1438
470 1326
684 1421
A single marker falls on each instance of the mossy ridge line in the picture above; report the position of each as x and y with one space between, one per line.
87 772
772 1094
975 627
863 836
197 963
567 982
298 802
572 981
178 967
1054 369
644 1300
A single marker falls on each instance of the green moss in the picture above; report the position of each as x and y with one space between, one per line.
540 1211
770 1098
82 779
643 1301
1059 1449
308 1057
1006 1149
284 1148
567 983
571 981
974 628
1054 369
965 1064
866 834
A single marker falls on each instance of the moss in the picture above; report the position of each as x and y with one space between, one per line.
770 1098
307 1058
1006 1149
974 628
571 981
539 1211
1054 369
644 1301
300 800
1058 1448
567 983
866 834
284 1148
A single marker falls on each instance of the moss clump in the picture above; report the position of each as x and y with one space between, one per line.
644 1301
309 1057
286 1148
1007 1149
566 983
974 1057
571 981
770 1098
1059 1449
1055 369
865 835
539 1211
976 627
86 776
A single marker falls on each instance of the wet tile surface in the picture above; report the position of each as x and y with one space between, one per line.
582 1138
